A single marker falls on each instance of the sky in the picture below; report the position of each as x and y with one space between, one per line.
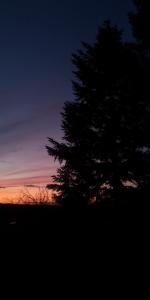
37 39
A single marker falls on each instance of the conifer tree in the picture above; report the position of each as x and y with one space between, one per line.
105 127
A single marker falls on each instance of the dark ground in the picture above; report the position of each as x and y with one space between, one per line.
106 237
106 241
106 214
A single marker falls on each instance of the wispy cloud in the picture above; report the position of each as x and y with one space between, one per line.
13 126
30 170
35 180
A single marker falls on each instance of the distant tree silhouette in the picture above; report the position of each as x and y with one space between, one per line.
106 138
140 21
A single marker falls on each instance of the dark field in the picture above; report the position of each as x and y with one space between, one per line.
108 213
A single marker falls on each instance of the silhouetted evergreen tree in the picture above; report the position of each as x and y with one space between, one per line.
106 126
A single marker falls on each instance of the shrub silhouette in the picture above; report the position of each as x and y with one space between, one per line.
41 197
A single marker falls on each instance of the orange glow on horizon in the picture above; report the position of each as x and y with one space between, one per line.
12 189
13 195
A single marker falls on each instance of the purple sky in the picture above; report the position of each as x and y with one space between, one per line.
36 42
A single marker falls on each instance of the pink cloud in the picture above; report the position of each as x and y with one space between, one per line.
40 180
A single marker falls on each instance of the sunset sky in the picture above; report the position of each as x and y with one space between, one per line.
36 42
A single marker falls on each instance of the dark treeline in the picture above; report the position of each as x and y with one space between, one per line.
106 140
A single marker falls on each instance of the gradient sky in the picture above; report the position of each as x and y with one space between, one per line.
36 42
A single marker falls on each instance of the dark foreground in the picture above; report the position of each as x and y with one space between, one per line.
107 214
